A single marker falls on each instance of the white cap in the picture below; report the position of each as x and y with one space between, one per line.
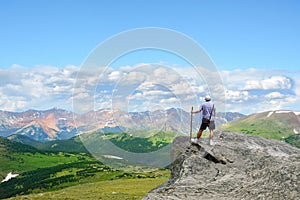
207 98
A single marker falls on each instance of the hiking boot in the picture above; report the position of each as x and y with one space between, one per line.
194 140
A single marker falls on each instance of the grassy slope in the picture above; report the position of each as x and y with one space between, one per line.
37 169
117 190
267 128
279 127
71 145
293 140
17 158
21 162
67 175
141 145
46 171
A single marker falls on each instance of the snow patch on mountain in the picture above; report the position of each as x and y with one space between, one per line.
282 112
113 157
269 114
297 113
9 176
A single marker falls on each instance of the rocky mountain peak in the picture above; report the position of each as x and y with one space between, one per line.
238 167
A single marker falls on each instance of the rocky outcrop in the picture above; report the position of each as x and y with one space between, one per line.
238 166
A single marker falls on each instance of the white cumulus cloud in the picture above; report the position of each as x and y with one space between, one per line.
144 86
237 96
274 82
274 95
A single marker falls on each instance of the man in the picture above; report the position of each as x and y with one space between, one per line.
208 119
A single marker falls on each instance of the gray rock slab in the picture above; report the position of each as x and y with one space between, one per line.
238 166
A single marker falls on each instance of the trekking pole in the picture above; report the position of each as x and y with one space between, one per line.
191 124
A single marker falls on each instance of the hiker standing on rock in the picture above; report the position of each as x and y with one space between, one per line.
208 119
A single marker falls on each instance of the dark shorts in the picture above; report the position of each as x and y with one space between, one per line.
205 123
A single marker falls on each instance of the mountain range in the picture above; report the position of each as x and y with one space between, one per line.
59 124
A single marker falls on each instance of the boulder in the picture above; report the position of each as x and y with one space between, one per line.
238 166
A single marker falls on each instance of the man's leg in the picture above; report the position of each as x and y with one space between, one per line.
211 127
199 134
203 126
211 137
211 134
195 140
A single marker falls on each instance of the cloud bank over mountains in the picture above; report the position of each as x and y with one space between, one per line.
146 87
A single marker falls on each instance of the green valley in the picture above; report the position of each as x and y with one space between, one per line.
69 165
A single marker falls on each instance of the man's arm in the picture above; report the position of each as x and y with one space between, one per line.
196 111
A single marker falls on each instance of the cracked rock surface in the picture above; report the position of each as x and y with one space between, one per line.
238 166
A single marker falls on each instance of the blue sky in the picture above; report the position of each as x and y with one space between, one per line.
256 40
